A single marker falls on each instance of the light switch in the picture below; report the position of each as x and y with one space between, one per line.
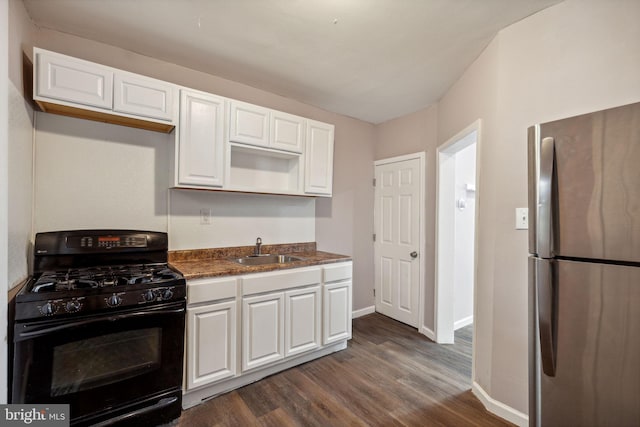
522 218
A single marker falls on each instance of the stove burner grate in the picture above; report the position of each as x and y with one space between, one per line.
103 277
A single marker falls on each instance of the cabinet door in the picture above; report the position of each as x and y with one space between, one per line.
143 96
201 140
73 80
318 172
302 324
211 343
287 132
336 312
262 330
249 124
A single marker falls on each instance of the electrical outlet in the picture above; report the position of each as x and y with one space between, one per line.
522 218
205 216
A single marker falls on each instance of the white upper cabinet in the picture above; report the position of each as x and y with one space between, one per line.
318 173
72 80
201 146
74 87
143 96
287 132
249 124
262 127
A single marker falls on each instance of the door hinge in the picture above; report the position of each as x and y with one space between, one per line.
374 292
374 237
374 182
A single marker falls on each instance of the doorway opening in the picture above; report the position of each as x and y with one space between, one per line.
456 242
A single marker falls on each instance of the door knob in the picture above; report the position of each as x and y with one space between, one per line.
414 254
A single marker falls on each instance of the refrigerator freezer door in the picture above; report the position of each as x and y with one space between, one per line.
597 375
596 184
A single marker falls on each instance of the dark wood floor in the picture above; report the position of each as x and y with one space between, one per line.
389 375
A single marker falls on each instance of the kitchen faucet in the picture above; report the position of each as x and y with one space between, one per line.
258 250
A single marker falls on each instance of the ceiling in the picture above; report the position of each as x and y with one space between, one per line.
369 59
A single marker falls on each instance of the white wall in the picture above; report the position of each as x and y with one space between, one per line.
98 175
575 57
465 164
238 219
409 134
21 148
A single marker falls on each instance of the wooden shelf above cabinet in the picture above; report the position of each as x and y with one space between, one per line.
97 116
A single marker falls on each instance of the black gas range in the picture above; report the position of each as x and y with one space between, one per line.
100 326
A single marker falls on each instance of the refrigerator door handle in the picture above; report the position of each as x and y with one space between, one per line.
544 217
546 316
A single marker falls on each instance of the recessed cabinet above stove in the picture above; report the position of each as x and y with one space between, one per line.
74 87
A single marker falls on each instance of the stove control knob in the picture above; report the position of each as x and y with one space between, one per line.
149 296
167 294
114 301
48 309
72 306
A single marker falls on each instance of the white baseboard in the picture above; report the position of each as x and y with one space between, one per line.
498 408
462 322
428 333
363 311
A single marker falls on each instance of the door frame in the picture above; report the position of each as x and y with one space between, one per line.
4 194
421 156
443 295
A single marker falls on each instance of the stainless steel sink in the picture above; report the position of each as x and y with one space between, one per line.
266 259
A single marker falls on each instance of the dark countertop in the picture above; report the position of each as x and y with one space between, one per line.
216 262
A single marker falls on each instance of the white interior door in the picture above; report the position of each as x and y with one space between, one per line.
397 239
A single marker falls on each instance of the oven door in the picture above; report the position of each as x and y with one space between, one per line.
100 362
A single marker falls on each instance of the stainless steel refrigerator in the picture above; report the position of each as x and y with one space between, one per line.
584 270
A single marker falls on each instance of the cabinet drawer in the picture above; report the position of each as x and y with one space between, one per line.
341 271
268 282
203 290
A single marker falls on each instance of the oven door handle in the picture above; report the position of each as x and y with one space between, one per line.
38 330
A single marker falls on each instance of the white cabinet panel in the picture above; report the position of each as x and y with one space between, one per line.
143 96
287 132
262 330
338 271
77 88
318 174
281 279
72 80
211 289
201 140
336 312
211 343
249 124
302 325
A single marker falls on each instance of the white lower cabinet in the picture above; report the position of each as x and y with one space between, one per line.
336 303
287 317
262 330
337 312
211 343
302 320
